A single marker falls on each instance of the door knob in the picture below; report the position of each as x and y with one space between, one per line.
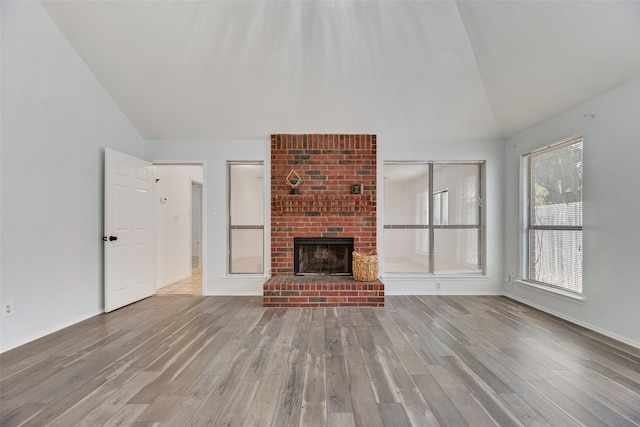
112 238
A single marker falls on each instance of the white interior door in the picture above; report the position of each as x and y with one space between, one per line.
129 252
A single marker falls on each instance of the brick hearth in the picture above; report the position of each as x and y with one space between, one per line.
322 291
329 165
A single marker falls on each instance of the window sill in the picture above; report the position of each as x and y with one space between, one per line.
559 293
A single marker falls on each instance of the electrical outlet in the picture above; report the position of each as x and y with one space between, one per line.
438 286
7 308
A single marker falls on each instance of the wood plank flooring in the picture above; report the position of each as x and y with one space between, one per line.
227 361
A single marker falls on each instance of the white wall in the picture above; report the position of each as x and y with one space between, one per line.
611 211
214 155
173 221
390 149
56 121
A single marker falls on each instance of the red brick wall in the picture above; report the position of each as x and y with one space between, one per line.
328 165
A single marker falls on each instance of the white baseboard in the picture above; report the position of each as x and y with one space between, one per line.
577 322
441 293
26 340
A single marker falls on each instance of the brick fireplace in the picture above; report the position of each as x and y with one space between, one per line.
324 207
322 256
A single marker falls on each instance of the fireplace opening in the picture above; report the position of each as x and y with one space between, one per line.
322 256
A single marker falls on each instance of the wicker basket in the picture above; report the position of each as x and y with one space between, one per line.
365 266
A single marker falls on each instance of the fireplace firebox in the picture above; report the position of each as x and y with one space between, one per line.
322 256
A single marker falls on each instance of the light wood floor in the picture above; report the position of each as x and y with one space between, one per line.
189 286
226 361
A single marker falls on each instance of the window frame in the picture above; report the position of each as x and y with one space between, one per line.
527 196
431 227
231 227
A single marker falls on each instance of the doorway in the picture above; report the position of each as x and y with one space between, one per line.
180 228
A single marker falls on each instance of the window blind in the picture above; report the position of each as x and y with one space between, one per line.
555 215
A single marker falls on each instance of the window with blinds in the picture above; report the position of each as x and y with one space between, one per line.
553 254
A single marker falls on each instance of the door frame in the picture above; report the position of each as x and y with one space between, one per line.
200 186
203 218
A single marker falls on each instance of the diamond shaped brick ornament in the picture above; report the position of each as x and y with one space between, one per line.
294 180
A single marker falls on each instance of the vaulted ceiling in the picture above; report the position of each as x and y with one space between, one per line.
447 70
